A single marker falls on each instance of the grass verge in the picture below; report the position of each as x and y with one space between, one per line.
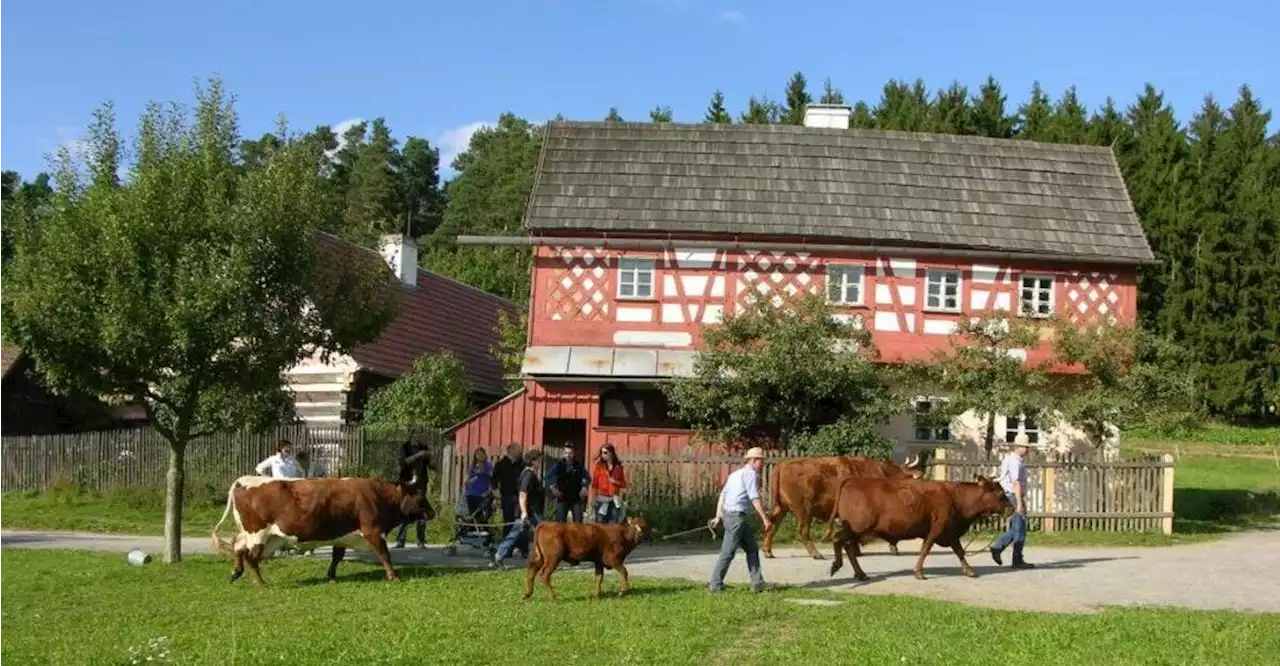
189 614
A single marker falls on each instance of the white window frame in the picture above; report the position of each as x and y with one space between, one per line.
633 268
932 433
842 273
937 276
1011 424
1036 292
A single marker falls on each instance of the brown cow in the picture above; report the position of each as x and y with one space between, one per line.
604 545
807 487
305 514
936 511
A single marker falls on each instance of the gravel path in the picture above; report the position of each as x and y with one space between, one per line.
1236 573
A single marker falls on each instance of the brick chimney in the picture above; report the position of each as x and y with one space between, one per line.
827 115
401 253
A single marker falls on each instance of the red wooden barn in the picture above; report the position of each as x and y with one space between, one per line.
644 232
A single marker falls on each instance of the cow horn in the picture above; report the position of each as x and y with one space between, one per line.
912 461
413 480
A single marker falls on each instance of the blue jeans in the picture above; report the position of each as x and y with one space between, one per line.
1016 533
611 512
517 534
736 533
564 508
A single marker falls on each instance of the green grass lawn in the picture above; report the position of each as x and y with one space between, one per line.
88 608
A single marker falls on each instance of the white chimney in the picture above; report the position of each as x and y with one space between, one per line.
827 115
401 253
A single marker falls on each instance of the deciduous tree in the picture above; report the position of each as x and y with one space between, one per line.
434 394
189 286
792 376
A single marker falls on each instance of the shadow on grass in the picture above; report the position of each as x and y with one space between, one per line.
953 571
1217 511
373 574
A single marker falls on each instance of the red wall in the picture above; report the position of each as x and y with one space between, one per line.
575 294
518 418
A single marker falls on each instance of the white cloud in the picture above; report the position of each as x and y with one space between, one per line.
732 16
339 129
455 141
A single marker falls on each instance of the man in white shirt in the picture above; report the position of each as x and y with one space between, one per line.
281 465
1013 478
741 494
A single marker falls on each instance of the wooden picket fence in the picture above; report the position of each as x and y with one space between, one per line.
139 457
1083 492
1080 492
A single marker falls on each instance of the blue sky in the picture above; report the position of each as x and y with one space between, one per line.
438 69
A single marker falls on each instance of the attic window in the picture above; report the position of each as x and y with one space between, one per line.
635 278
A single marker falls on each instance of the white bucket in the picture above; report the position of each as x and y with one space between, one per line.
138 558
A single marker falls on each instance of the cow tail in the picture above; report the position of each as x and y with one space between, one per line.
835 507
536 557
222 546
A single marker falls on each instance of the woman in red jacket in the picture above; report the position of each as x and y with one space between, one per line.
608 483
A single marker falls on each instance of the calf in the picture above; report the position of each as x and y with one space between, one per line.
900 509
603 545
306 514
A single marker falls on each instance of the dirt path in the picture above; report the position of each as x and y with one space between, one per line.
1236 573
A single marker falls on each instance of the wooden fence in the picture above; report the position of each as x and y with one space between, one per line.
110 460
1064 493
1082 492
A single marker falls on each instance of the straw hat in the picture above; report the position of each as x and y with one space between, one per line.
754 452
1022 440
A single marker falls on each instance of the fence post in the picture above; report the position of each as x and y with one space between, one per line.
1049 524
447 473
1166 491
940 464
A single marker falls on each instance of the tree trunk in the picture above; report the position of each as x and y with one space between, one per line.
991 433
173 501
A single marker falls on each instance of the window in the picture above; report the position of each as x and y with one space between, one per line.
1037 296
637 408
844 285
1029 426
942 290
635 278
927 429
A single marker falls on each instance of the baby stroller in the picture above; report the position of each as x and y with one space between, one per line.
472 528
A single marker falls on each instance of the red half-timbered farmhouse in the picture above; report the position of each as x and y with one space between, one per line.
645 232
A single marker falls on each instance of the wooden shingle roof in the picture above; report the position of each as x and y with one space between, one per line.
877 187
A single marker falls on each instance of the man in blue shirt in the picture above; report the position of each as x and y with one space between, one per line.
740 495
568 481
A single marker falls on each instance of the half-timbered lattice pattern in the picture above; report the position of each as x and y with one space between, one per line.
1092 297
776 276
579 288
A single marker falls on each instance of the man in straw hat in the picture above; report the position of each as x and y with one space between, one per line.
741 494
1013 478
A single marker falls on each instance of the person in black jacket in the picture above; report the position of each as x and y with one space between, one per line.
506 474
416 460
568 481
530 498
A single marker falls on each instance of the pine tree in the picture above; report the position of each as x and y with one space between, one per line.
862 118
903 107
989 115
1070 123
660 114
830 95
422 200
1157 187
716 113
950 112
760 111
797 99
372 199
614 116
1107 128
1036 116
